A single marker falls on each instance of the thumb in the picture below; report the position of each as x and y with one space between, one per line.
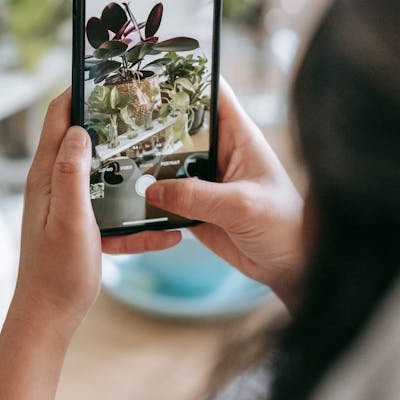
70 179
198 200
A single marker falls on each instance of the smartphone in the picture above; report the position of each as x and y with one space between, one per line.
145 87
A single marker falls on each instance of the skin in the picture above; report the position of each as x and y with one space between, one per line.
253 217
60 262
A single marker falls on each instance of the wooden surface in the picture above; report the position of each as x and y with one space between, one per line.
119 353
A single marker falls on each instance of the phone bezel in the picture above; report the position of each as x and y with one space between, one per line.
77 106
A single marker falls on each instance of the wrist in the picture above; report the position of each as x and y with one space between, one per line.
43 316
33 344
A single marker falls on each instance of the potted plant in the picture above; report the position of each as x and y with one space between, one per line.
121 44
186 80
110 113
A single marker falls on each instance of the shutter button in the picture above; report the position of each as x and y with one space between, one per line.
143 183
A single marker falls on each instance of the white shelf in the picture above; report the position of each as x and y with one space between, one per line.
104 153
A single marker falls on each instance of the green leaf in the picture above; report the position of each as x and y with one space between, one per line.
110 49
159 62
114 17
206 101
125 99
103 69
165 110
187 141
96 32
180 131
114 98
127 115
133 54
177 44
137 53
99 100
90 63
180 100
186 84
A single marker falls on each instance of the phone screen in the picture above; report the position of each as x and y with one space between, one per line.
149 103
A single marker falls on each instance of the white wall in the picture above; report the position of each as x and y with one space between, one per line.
191 18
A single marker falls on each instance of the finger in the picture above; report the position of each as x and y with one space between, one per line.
70 201
228 102
141 242
236 129
56 123
229 107
216 203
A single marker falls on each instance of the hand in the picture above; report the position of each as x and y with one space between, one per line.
254 217
60 261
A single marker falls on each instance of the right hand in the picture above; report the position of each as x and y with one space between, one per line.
254 217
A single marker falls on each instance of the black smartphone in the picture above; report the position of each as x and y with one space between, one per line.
145 87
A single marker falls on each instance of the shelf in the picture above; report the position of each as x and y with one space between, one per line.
104 153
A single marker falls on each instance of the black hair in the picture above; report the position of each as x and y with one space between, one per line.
347 108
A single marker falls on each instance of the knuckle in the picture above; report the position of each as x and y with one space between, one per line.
185 197
245 206
68 166
245 203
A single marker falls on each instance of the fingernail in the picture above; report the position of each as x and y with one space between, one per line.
173 238
75 138
155 194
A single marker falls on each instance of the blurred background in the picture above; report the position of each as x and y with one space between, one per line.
259 42
260 39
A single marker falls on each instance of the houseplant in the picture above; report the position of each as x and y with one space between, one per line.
121 44
117 58
110 112
186 80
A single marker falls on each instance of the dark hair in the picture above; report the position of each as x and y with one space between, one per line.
347 107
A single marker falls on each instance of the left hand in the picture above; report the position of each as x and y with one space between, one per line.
60 261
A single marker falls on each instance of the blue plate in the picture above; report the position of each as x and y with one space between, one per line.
186 282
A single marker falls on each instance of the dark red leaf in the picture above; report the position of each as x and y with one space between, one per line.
114 17
96 32
154 20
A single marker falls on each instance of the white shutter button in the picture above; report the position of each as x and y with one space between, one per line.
143 183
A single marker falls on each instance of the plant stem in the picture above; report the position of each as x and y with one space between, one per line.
133 19
125 66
